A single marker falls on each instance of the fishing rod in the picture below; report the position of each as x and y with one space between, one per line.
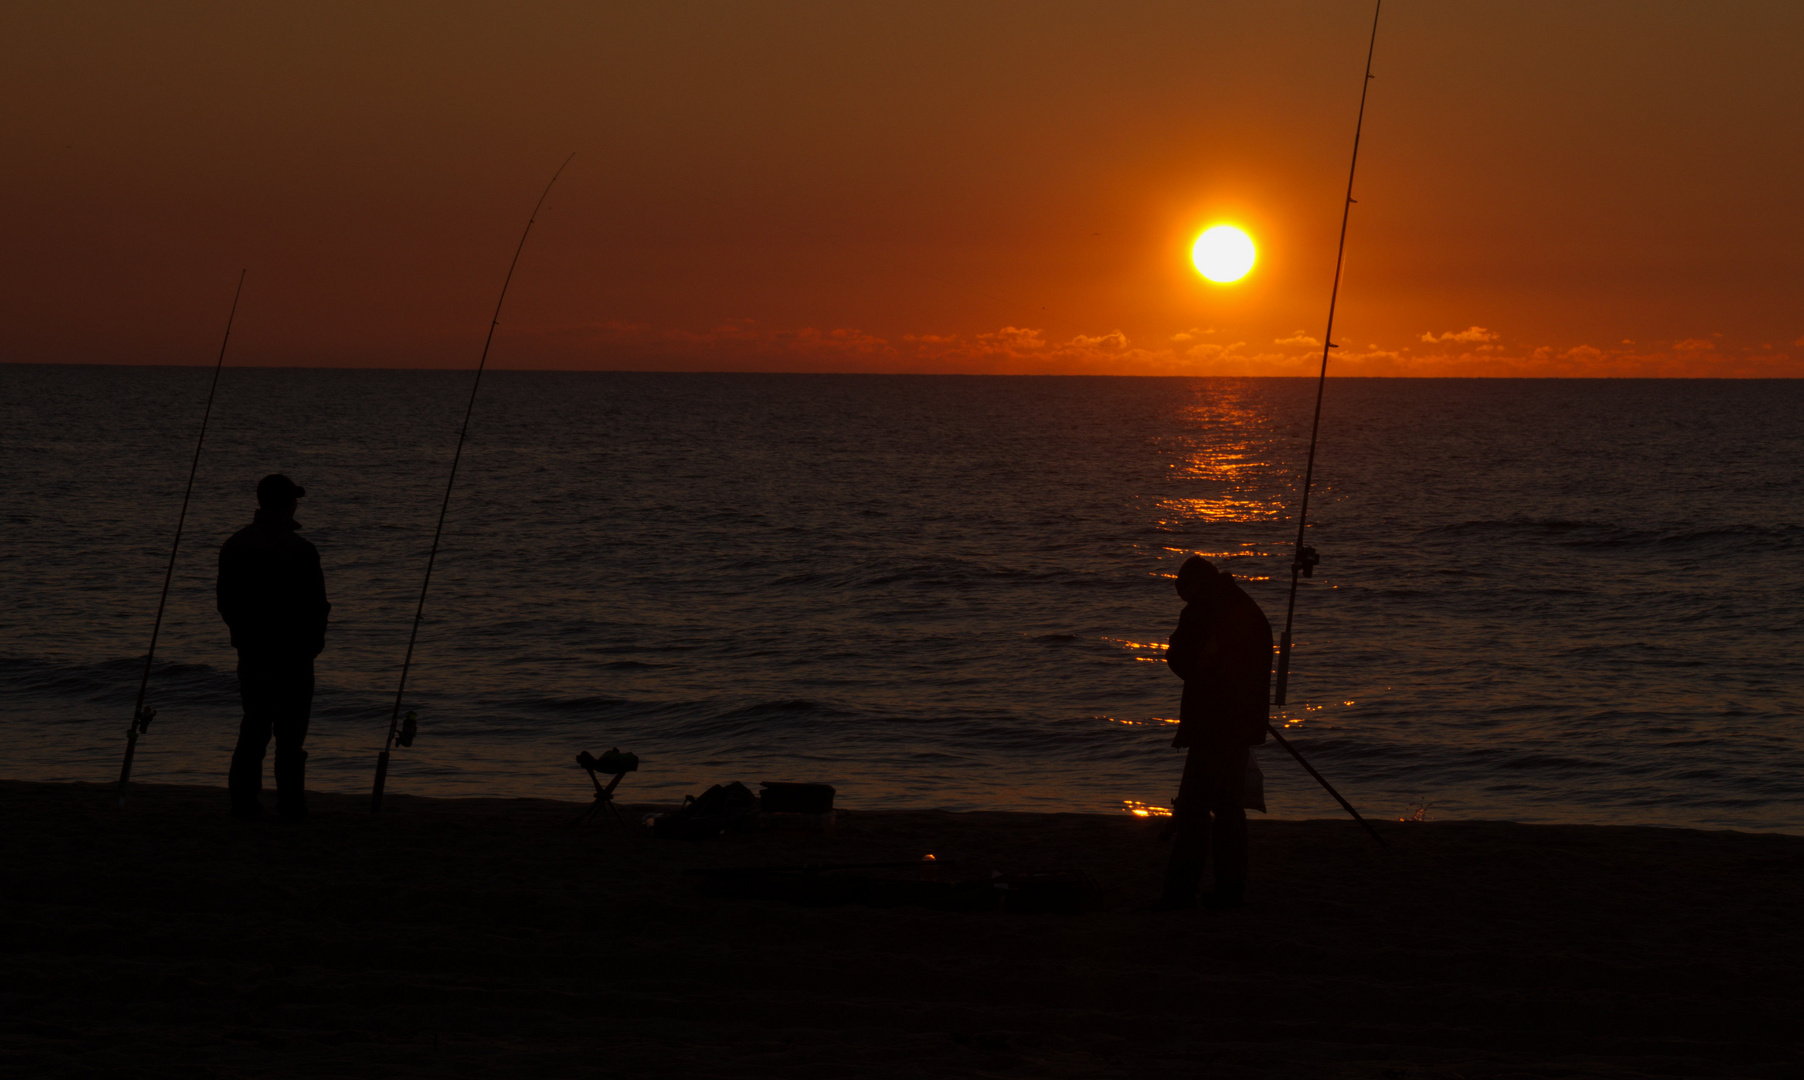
1326 786
142 715
401 731
1303 561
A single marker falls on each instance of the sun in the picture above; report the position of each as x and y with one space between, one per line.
1223 254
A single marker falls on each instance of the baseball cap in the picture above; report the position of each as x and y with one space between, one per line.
275 490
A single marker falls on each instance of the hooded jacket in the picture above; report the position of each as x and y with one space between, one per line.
271 591
1222 649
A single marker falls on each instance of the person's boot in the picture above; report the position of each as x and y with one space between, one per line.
291 784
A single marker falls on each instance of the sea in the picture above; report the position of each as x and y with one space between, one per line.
1538 600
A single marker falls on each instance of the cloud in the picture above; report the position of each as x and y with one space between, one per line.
1210 351
733 345
1301 337
1013 338
1469 334
1582 361
1026 350
1018 349
1115 340
747 345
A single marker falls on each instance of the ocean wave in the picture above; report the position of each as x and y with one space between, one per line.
1561 532
110 679
922 587
586 704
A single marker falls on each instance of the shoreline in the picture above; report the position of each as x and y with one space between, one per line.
451 937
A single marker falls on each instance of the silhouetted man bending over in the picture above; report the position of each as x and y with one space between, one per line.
273 596
1222 649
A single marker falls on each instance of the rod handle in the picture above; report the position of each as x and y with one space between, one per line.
381 778
125 770
1283 669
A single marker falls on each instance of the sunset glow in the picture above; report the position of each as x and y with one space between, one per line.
861 193
1223 254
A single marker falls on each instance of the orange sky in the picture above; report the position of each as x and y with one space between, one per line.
1545 188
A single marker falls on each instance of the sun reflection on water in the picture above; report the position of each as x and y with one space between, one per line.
1145 810
1224 508
1227 452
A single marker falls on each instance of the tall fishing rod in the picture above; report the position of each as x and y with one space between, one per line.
142 716
1304 559
403 732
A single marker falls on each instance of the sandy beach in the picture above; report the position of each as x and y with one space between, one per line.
488 938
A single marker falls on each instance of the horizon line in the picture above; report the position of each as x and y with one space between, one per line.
917 374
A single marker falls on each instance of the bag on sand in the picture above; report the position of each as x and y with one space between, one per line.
719 810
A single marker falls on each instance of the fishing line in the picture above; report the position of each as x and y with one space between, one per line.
400 732
142 716
1304 559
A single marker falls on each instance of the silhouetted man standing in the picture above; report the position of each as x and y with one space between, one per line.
1222 649
273 596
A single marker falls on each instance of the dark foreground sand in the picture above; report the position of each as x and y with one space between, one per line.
489 938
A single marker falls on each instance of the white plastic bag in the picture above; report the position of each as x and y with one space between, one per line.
1253 796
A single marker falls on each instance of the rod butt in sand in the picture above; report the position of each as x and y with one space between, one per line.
125 770
381 779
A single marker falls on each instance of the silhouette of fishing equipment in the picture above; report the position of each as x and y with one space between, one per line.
615 764
1305 559
722 809
1322 780
396 730
143 714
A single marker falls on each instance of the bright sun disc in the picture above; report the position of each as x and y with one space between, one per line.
1223 254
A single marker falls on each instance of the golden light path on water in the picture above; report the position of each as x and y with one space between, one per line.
1229 455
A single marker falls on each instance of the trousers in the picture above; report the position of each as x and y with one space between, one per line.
1209 815
277 691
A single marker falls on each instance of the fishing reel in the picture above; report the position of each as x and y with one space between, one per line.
410 726
1305 561
141 721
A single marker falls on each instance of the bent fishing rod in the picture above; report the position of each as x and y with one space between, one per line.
141 714
401 731
1304 558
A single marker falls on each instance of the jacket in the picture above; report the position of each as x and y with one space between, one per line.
271 590
1222 649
